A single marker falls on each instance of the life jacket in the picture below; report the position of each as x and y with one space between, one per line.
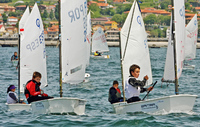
9 99
31 82
131 91
118 94
96 54
14 57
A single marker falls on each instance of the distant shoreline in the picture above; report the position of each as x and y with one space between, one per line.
151 44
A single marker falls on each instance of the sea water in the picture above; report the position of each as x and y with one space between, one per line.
98 110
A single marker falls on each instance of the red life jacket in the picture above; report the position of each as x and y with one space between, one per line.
32 88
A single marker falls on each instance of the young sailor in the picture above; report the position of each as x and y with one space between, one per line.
12 96
14 57
97 53
134 87
115 93
33 91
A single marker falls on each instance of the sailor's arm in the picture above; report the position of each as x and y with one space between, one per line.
135 83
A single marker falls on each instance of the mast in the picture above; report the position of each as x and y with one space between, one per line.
60 53
18 67
122 57
174 45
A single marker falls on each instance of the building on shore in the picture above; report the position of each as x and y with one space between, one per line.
112 35
12 20
110 25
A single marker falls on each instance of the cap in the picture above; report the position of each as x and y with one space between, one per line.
12 87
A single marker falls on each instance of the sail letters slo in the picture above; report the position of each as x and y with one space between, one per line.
73 38
33 54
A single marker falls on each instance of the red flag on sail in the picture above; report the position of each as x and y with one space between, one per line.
22 29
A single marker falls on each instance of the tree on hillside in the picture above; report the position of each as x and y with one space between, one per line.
94 7
95 14
117 18
56 12
4 17
150 19
12 14
45 14
51 15
159 19
5 1
17 24
127 7
119 9
107 11
164 4
166 20
95 11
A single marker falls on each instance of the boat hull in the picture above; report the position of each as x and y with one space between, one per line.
174 103
62 105
187 66
18 106
100 57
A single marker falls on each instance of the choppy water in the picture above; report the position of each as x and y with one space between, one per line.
95 91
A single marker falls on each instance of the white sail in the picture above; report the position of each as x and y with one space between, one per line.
23 19
33 55
99 42
179 17
88 37
135 49
191 38
73 39
169 62
179 20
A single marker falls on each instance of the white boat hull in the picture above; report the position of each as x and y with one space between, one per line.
187 66
100 57
62 105
174 103
18 106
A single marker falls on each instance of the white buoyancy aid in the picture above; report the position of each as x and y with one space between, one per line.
9 99
131 91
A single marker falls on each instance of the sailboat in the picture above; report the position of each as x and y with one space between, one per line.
19 106
133 43
191 41
72 56
99 44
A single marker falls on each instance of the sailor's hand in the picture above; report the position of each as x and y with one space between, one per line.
41 92
146 77
45 95
150 88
